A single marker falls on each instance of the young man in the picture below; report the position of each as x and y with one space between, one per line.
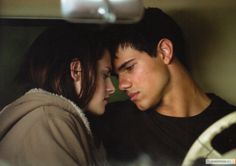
149 62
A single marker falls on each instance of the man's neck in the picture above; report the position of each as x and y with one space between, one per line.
182 97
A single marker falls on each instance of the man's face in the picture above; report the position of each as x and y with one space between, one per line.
142 77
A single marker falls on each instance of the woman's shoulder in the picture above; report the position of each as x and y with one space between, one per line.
39 106
55 108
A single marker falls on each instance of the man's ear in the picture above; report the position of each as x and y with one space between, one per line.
75 70
165 50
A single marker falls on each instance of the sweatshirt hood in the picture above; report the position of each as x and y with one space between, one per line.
30 101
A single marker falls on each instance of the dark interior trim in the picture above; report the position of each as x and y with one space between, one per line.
32 22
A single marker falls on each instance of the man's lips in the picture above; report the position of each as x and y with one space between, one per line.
133 96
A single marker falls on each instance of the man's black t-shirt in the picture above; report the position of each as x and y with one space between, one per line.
133 136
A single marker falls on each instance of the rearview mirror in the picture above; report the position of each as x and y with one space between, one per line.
102 11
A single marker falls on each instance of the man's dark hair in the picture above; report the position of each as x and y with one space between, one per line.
145 35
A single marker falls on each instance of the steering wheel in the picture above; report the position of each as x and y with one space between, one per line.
202 147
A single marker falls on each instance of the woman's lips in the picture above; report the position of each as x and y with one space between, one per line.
106 100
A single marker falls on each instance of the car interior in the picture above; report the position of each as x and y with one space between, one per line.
209 28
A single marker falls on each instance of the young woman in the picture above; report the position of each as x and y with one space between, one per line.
66 73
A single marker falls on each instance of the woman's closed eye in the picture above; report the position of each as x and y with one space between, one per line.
106 75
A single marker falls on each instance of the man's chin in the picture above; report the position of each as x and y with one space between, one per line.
140 106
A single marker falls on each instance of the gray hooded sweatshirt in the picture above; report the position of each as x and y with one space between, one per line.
41 128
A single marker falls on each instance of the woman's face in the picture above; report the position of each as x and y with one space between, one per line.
104 86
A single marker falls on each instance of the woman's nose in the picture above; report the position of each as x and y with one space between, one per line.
110 87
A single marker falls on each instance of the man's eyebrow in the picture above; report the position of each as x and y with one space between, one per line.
121 67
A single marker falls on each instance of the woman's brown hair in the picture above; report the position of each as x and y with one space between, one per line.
47 62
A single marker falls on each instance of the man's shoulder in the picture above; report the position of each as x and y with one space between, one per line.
220 103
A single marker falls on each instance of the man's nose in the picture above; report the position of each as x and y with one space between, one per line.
124 83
